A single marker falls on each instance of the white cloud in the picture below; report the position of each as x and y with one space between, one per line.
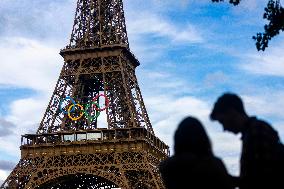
31 108
270 62
25 116
3 176
167 82
269 105
36 19
6 165
28 63
184 3
216 77
166 5
6 127
146 53
150 23
250 5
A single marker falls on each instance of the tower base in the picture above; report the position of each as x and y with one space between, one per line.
102 158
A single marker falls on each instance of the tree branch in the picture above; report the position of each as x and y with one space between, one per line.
234 2
274 13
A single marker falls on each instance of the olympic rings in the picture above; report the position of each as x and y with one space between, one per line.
75 118
83 111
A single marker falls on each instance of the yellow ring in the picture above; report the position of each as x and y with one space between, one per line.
76 118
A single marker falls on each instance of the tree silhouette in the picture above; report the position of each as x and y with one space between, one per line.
274 13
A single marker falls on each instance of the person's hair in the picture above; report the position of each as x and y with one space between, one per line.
191 137
226 102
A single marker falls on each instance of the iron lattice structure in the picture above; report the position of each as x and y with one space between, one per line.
76 153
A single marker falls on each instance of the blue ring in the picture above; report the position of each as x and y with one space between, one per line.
66 98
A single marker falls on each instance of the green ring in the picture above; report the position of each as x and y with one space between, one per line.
90 118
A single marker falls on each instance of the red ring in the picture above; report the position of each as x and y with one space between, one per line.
106 102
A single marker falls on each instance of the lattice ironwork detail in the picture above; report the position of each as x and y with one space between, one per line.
99 23
84 78
70 153
90 171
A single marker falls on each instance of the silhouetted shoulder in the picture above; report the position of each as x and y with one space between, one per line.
260 160
260 130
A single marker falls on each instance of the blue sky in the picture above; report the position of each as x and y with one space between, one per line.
191 51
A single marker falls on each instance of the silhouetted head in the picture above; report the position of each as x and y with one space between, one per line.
191 137
229 111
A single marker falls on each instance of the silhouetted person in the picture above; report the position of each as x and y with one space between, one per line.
260 158
193 165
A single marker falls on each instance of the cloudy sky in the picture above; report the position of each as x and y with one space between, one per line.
191 51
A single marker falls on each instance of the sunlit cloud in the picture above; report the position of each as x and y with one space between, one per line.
270 62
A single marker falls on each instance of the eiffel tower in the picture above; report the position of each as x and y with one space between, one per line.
71 149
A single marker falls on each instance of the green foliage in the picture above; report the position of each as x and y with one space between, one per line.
234 2
274 13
